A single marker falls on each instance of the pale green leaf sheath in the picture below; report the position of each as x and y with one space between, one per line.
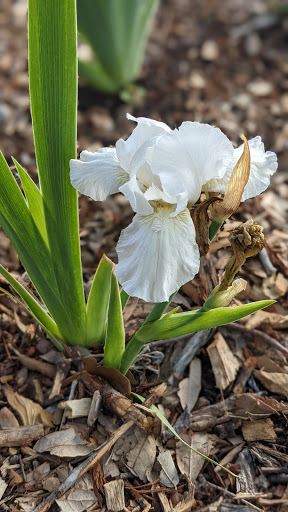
98 303
115 336
53 90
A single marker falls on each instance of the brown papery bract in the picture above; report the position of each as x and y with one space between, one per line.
221 210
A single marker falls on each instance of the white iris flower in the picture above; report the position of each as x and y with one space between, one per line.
161 172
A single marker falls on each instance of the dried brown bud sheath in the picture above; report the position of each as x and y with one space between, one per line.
221 210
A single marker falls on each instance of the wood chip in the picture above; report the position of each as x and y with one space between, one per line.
76 408
3 487
224 364
114 494
268 365
20 436
260 430
274 382
94 408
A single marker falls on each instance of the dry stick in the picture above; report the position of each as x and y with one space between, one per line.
234 496
265 337
80 470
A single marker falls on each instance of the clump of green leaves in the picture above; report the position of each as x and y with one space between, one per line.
42 223
117 33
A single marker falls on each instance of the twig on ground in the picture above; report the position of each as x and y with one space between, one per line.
80 470
233 496
265 337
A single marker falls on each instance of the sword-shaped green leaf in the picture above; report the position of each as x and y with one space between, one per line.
34 199
53 91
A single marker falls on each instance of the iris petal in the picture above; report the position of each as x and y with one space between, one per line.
196 152
157 255
97 175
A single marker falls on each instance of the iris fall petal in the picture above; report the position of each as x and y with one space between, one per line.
157 254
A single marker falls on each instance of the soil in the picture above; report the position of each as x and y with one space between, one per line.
223 62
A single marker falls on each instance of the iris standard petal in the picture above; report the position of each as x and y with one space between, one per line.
196 152
263 166
146 129
97 175
157 255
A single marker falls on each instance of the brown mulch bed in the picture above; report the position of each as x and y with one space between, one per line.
224 62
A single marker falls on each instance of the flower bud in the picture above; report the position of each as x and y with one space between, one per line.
220 299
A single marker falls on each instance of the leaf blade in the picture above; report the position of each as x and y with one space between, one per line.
53 92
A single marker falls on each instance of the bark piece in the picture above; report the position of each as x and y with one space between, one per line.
114 494
246 480
224 364
3 487
20 436
94 408
14 478
260 430
268 365
274 382
250 403
190 388
190 350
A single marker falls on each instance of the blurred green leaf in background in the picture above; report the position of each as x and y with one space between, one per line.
117 33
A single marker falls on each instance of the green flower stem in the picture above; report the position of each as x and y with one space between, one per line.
131 352
158 310
213 229
135 345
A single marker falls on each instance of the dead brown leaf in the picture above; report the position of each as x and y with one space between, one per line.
190 388
30 412
168 474
224 364
65 443
141 458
